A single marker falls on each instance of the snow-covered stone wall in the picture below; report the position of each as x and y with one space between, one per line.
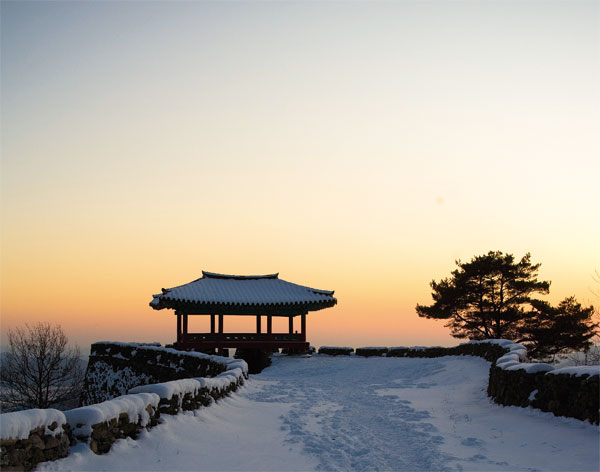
489 351
371 351
114 368
191 394
32 436
100 425
336 351
568 391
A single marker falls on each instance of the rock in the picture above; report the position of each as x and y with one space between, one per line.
36 442
52 441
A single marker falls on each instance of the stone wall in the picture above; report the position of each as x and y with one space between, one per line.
106 433
336 351
192 399
33 436
371 351
115 368
574 395
257 359
100 425
489 351
25 454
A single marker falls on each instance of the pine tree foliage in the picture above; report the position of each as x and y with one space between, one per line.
486 298
566 327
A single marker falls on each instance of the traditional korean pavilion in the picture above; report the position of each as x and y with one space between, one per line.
262 296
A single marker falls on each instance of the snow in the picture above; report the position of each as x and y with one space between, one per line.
513 348
234 433
578 370
505 343
18 424
180 387
530 368
517 353
512 360
346 413
507 364
82 419
221 381
507 358
168 389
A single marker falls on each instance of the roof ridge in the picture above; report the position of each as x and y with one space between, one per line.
214 275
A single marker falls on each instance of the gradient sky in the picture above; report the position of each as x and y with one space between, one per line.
355 146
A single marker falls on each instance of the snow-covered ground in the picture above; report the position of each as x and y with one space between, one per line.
350 413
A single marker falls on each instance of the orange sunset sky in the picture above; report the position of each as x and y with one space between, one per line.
359 147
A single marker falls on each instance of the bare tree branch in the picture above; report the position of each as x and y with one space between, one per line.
40 371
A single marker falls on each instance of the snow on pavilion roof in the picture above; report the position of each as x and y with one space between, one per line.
243 294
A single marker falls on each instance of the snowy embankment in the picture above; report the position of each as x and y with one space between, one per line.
351 413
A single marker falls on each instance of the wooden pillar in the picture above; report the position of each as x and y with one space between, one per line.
220 324
185 327
303 330
291 325
258 326
178 328
269 324
212 324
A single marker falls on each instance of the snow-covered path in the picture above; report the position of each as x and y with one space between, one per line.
419 414
341 417
347 413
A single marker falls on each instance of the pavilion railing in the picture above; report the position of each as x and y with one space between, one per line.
258 337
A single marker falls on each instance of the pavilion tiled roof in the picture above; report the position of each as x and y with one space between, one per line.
243 294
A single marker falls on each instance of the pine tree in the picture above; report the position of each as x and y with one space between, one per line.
486 298
551 330
492 297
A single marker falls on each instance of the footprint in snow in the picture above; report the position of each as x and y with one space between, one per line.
471 442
